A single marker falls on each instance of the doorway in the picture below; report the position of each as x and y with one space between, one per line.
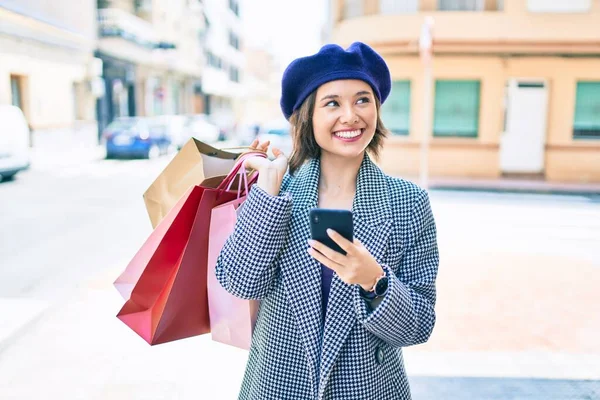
522 146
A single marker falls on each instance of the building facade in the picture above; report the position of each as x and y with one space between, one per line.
168 57
47 67
515 88
222 81
262 83
152 55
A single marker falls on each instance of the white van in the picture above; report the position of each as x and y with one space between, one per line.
14 141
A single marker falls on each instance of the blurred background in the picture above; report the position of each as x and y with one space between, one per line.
495 109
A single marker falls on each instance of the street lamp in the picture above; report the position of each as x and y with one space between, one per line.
426 53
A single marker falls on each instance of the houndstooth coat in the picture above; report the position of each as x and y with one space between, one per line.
357 353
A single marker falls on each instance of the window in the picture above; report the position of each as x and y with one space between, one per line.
142 6
353 8
234 74
390 7
456 108
461 5
16 90
213 60
235 7
234 41
587 111
395 113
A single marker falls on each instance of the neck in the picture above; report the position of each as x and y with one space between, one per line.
338 174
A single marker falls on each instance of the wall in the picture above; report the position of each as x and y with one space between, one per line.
566 159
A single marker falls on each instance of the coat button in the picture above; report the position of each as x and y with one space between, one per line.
379 355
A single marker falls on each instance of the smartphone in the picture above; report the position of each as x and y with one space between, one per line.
340 221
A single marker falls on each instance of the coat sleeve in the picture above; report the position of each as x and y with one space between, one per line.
246 266
406 315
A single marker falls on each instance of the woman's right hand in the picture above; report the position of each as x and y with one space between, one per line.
270 172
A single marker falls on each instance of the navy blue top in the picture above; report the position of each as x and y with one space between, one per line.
326 276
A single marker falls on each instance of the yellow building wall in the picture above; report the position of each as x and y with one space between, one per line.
487 39
566 159
515 26
49 71
48 93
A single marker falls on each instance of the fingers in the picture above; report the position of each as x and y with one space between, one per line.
264 146
327 252
341 241
325 261
256 145
254 163
278 153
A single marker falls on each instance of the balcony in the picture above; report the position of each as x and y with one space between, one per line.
113 22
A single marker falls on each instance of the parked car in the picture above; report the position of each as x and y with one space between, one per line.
14 142
176 128
134 137
201 127
278 132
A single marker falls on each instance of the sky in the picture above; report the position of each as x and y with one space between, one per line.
288 28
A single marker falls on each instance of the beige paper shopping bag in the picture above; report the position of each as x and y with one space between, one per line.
197 163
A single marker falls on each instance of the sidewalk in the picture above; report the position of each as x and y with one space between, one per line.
65 147
513 185
78 349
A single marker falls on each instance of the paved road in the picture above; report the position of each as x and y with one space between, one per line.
517 308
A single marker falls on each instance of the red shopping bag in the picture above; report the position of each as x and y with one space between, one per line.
127 280
169 301
232 319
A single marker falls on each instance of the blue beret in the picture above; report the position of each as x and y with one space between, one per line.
332 62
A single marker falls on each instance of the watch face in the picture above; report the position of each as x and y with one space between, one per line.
381 286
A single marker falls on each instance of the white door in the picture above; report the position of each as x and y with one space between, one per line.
522 144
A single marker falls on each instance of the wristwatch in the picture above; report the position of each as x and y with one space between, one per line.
379 289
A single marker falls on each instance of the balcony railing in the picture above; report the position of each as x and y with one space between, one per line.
113 22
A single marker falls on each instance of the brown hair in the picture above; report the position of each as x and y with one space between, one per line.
305 145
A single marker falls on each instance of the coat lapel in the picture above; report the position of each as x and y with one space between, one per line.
372 218
301 274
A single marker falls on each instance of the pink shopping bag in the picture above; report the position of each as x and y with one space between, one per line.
232 319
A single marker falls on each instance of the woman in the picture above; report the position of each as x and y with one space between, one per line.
332 326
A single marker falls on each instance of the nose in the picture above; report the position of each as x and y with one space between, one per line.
349 116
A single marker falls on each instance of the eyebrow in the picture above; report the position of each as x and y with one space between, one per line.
335 96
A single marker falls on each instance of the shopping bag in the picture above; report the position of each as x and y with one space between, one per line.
169 300
192 165
232 319
128 278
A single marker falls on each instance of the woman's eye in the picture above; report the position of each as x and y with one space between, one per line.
331 103
363 100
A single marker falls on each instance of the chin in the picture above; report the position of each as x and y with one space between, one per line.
347 152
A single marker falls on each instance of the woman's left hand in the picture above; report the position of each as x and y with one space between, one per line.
357 267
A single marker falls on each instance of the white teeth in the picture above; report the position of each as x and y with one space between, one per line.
348 134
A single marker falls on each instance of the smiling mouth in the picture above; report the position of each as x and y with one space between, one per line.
349 134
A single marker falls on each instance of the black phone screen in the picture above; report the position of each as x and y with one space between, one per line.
340 221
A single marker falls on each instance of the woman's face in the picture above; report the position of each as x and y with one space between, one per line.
345 117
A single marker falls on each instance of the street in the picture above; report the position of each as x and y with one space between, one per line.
517 304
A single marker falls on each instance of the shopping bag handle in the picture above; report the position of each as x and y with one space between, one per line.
252 149
239 164
247 182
